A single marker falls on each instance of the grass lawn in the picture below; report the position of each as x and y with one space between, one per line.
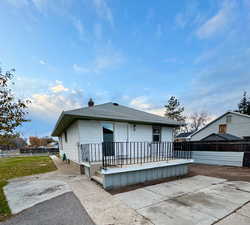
18 167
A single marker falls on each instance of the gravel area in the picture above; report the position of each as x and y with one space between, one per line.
226 172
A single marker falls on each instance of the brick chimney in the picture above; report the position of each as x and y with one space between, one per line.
91 102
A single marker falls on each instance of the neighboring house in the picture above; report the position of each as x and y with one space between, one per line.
183 137
221 137
232 123
109 122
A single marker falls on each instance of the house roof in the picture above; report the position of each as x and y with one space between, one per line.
229 112
218 136
184 135
112 112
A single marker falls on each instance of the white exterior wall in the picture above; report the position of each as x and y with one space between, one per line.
70 148
239 126
140 133
121 132
90 132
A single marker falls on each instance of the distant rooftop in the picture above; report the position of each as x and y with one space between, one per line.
184 134
221 137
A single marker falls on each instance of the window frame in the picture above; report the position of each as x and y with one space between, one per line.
222 128
156 134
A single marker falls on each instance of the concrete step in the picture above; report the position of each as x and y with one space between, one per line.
98 173
97 179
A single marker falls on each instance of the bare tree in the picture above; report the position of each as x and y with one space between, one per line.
197 121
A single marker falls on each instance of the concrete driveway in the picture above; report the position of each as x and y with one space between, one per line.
64 209
197 200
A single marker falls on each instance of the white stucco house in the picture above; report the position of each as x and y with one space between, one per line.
122 144
109 122
231 123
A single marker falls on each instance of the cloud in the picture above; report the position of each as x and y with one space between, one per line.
218 84
143 103
49 106
157 111
218 22
80 69
101 63
104 11
42 62
58 88
140 102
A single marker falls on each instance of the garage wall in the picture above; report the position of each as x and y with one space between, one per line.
218 158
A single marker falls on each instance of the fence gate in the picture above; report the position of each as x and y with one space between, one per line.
246 159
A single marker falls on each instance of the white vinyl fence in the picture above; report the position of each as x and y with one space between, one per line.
218 158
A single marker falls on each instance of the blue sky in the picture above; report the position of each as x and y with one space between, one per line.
136 53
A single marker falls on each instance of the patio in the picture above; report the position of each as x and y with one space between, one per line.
195 200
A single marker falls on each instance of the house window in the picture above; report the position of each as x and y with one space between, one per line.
222 128
156 134
108 132
229 119
65 136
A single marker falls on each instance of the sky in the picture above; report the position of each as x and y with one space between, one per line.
136 53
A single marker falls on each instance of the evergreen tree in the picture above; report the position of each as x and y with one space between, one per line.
174 110
244 105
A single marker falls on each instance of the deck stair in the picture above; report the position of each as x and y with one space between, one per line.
98 178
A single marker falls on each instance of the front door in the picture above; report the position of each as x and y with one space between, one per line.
108 138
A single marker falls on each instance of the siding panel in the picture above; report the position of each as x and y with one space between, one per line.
218 158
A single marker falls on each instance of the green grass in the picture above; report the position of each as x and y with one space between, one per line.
18 167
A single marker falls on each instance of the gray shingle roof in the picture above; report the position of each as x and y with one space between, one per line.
218 136
110 111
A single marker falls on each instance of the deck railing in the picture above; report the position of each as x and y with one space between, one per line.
127 153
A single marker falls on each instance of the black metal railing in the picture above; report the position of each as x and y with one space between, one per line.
127 153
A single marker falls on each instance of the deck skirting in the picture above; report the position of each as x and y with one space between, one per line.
120 177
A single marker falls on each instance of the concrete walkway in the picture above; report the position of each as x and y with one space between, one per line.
103 208
198 200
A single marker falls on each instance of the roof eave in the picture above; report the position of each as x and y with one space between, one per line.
57 132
